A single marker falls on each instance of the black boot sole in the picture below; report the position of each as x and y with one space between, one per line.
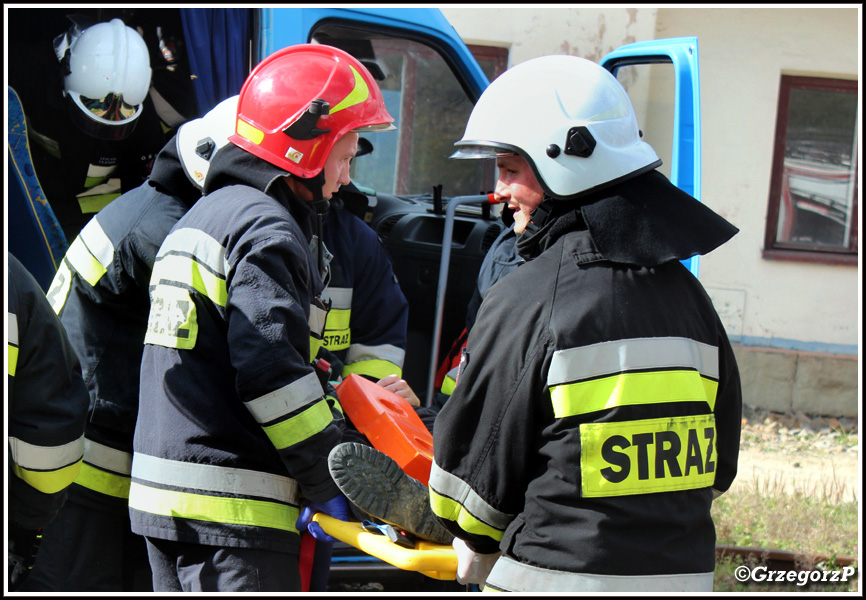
378 486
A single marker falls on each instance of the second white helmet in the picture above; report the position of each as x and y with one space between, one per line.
106 75
199 140
568 117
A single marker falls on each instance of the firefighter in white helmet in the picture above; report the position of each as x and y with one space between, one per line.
99 80
597 409
100 292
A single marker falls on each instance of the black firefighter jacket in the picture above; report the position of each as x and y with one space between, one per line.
100 292
598 404
233 424
45 408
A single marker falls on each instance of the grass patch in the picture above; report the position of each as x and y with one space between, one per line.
809 522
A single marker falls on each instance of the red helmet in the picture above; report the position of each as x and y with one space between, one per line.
298 102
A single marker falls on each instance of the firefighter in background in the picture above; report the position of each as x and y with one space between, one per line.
46 409
101 294
98 79
234 426
597 410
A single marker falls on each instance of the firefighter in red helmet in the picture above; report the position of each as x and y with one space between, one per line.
234 426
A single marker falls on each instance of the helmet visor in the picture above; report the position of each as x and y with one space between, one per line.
110 108
481 150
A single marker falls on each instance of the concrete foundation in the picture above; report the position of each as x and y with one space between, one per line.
790 381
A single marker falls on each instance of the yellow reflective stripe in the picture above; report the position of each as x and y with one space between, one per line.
372 368
11 343
94 204
172 321
214 509
647 456
335 402
448 386
247 131
188 271
631 389
315 346
300 427
58 292
103 482
338 319
337 340
12 359
85 263
359 93
49 482
451 510
453 499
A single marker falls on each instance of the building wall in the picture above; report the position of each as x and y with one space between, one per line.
794 323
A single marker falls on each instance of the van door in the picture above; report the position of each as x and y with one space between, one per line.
662 80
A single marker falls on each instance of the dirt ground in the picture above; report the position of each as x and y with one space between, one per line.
817 455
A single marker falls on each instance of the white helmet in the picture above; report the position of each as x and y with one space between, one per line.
200 139
568 117
106 76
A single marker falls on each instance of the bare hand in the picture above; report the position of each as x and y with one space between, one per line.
393 383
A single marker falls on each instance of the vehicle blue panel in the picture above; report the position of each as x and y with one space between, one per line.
686 146
280 27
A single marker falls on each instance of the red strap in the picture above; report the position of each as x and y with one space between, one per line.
306 559
452 359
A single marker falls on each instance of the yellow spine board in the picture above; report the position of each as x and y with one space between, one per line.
437 561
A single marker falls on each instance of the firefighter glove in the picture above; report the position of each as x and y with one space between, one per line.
337 507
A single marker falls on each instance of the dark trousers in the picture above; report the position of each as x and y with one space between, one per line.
85 549
184 567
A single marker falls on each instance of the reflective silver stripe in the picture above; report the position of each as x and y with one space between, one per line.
453 487
386 352
213 478
107 458
606 358
287 399
197 243
340 297
510 575
12 328
45 458
318 316
97 242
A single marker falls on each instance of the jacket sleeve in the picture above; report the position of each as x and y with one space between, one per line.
47 404
728 411
380 311
486 435
269 319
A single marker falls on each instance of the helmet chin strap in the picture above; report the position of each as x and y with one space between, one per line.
538 217
314 185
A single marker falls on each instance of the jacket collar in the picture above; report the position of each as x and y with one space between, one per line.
645 221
